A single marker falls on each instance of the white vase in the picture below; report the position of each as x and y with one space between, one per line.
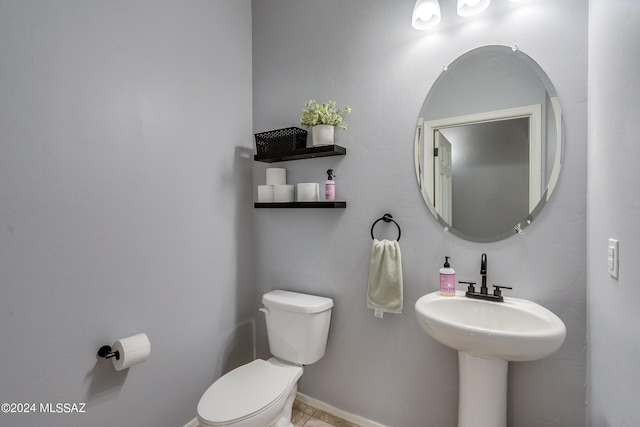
322 135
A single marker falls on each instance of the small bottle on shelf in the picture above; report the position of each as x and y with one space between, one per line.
330 186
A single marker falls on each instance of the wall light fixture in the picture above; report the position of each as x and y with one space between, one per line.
426 14
472 7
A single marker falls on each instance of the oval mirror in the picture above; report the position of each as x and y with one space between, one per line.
488 144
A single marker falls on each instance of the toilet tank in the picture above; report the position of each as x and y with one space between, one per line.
297 325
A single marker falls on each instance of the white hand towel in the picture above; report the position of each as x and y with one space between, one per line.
384 290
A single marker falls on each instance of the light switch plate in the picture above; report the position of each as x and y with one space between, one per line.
613 256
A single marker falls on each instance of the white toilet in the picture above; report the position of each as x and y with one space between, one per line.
261 393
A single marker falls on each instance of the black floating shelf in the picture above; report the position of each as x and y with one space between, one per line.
302 153
325 205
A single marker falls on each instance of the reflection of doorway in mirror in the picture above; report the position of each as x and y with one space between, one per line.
490 163
490 171
443 185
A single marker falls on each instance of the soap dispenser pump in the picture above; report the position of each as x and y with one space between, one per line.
447 279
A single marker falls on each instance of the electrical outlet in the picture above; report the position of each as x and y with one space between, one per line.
613 256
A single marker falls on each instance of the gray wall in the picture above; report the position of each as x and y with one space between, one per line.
125 201
614 209
365 53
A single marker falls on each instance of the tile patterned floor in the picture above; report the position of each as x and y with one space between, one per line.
306 416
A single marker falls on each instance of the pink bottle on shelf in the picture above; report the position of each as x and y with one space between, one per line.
330 186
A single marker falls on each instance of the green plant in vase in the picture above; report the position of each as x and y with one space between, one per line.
323 119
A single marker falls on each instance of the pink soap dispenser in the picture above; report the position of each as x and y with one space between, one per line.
447 279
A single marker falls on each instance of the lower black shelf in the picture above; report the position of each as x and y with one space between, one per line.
324 204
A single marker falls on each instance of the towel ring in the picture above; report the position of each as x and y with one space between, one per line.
386 218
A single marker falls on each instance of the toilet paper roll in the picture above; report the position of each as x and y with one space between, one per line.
276 176
283 193
308 192
265 193
132 350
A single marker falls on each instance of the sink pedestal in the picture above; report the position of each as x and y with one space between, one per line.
483 391
488 335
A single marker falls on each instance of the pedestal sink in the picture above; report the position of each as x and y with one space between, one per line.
488 335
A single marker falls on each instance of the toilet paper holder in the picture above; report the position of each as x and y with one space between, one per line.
105 352
126 352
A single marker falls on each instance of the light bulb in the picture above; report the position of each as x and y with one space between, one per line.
472 7
426 14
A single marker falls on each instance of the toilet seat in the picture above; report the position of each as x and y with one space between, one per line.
247 392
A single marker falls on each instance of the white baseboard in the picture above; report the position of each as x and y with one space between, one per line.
193 423
355 419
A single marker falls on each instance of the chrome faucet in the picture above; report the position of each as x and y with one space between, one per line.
484 293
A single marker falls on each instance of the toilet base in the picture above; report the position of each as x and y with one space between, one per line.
285 416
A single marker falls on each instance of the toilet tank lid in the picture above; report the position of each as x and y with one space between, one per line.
296 302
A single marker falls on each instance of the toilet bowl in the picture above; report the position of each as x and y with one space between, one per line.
261 393
253 395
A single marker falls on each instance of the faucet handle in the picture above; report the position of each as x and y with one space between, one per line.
497 292
470 288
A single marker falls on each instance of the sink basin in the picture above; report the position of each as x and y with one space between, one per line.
515 330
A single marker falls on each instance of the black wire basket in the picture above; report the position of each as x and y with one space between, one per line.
281 141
